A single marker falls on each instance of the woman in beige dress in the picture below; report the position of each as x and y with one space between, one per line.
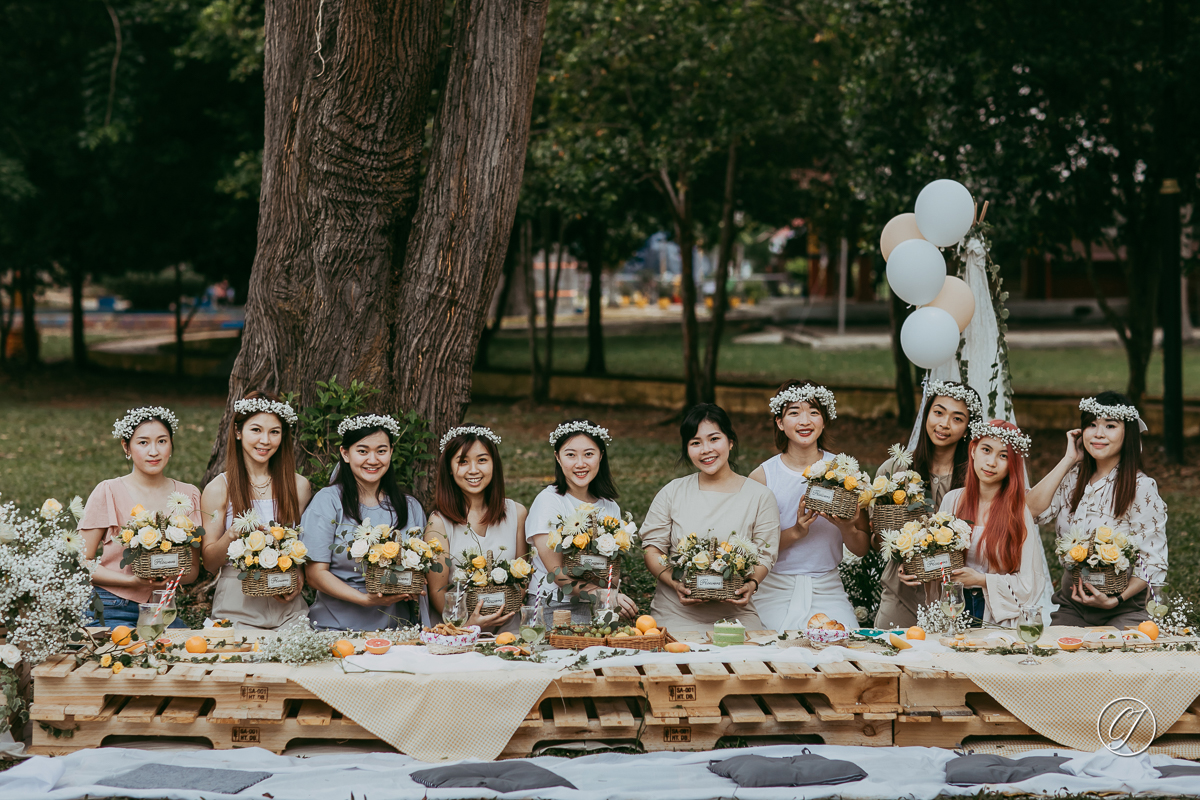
714 501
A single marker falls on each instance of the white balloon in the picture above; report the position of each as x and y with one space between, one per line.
916 271
945 212
929 337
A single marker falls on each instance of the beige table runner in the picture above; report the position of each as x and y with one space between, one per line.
1063 696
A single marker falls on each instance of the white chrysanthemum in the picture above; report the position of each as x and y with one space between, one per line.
845 463
237 549
269 557
76 507
179 503
247 521
499 575
900 454
74 540
745 545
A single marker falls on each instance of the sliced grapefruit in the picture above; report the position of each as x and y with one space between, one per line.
1069 643
377 646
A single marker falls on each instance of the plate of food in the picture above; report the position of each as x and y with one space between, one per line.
825 631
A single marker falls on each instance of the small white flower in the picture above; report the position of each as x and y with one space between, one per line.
237 549
10 655
606 545
359 548
74 540
410 559
51 508
177 535
269 557
499 575
76 507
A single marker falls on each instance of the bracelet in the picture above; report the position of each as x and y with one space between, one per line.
757 585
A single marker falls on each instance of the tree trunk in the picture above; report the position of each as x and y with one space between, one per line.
364 268
535 362
596 234
29 331
906 408
79 356
721 299
506 282
679 198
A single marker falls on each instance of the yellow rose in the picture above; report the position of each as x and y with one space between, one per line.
806 474
390 549
623 540
137 510
1104 534
904 541
106 661
519 568
298 549
257 540
739 562
478 562
126 536
277 532
554 539
251 561
284 563
1109 553
851 483
479 578
880 484
829 475
1120 540
148 536
182 522
117 667
926 539
436 546
911 527
944 535
165 546
701 560
1078 553
865 497
580 540
726 547
899 496
373 557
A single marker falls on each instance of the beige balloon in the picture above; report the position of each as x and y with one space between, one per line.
899 229
957 299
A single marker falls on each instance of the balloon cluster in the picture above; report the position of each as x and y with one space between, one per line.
916 271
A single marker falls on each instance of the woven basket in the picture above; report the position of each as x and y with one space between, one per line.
843 504
598 575
727 590
377 581
1107 580
263 583
649 643
891 518
141 563
563 641
514 593
915 565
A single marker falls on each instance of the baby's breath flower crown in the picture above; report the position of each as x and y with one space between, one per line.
1015 439
261 405
804 394
1123 413
360 421
964 394
124 427
579 426
478 430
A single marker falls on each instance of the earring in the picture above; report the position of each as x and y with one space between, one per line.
128 457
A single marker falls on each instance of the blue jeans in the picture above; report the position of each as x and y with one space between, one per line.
119 611
976 605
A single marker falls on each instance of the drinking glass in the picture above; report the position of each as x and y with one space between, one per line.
953 603
455 610
170 611
533 625
151 622
1029 625
1155 606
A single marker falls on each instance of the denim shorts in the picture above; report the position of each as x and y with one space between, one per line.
119 611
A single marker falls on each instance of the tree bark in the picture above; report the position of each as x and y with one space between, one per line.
596 234
906 407
79 356
679 198
708 392
364 268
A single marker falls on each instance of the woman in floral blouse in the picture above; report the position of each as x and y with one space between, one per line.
1099 482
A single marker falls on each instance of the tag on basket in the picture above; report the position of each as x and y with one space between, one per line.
279 580
1094 578
821 494
392 578
164 561
589 561
710 582
492 599
937 562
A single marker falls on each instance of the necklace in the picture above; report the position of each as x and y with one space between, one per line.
260 488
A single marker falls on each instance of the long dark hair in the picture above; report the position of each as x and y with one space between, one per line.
281 467
781 439
602 485
395 498
923 452
713 413
448 497
1127 468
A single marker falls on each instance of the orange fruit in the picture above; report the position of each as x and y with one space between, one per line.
677 647
121 635
651 632
1069 643
378 646
645 622
196 644
505 638
1150 629
897 642
915 632
342 648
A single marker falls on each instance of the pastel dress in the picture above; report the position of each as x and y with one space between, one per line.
543 516
805 579
682 507
502 534
1146 517
243 610
326 526
1005 594
108 508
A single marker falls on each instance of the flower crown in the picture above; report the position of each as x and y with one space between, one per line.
478 430
964 394
804 394
579 426
360 421
1123 413
1015 439
124 427
261 405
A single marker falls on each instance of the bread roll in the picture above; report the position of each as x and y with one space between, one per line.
817 620
834 625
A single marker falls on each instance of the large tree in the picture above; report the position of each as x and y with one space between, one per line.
376 260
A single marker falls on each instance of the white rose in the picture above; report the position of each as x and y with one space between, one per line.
499 575
51 508
8 532
177 535
606 545
10 655
237 549
410 559
269 557
630 527
359 548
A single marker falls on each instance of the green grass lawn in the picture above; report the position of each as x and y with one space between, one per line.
1070 370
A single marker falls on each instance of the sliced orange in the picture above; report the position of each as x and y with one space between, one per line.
505 638
645 622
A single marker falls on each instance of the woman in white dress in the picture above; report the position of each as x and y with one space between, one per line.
805 579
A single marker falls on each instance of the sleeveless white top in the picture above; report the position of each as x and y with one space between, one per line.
821 550
500 534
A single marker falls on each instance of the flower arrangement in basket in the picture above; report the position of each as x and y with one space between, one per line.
1104 558
929 546
834 486
394 561
499 583
712 569
896 498
267 555
591 542
160 543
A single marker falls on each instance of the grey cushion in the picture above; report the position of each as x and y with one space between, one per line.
975 769
802 770
501 776
164 776
1178 770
